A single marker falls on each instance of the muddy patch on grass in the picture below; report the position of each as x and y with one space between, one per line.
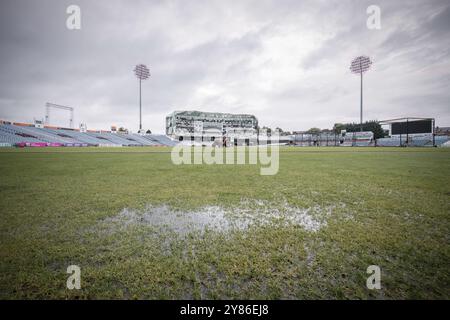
163 217
219 219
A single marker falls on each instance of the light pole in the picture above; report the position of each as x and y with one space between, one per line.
142 73
360 65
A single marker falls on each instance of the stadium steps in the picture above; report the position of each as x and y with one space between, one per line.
161 140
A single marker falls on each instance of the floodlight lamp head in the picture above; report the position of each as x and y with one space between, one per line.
360 64
142 71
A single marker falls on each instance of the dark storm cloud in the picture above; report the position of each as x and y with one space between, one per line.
285 61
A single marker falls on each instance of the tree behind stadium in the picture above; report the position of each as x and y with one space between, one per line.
372 125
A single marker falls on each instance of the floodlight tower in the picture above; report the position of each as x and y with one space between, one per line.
142 73
360 65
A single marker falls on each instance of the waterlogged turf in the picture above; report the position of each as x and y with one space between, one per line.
140 227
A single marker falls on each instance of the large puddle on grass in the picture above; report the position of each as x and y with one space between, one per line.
220 219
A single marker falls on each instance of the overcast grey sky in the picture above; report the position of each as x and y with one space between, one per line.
287 62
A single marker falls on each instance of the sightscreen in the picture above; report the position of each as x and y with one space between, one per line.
411 127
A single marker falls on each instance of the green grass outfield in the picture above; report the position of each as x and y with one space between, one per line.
390 207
